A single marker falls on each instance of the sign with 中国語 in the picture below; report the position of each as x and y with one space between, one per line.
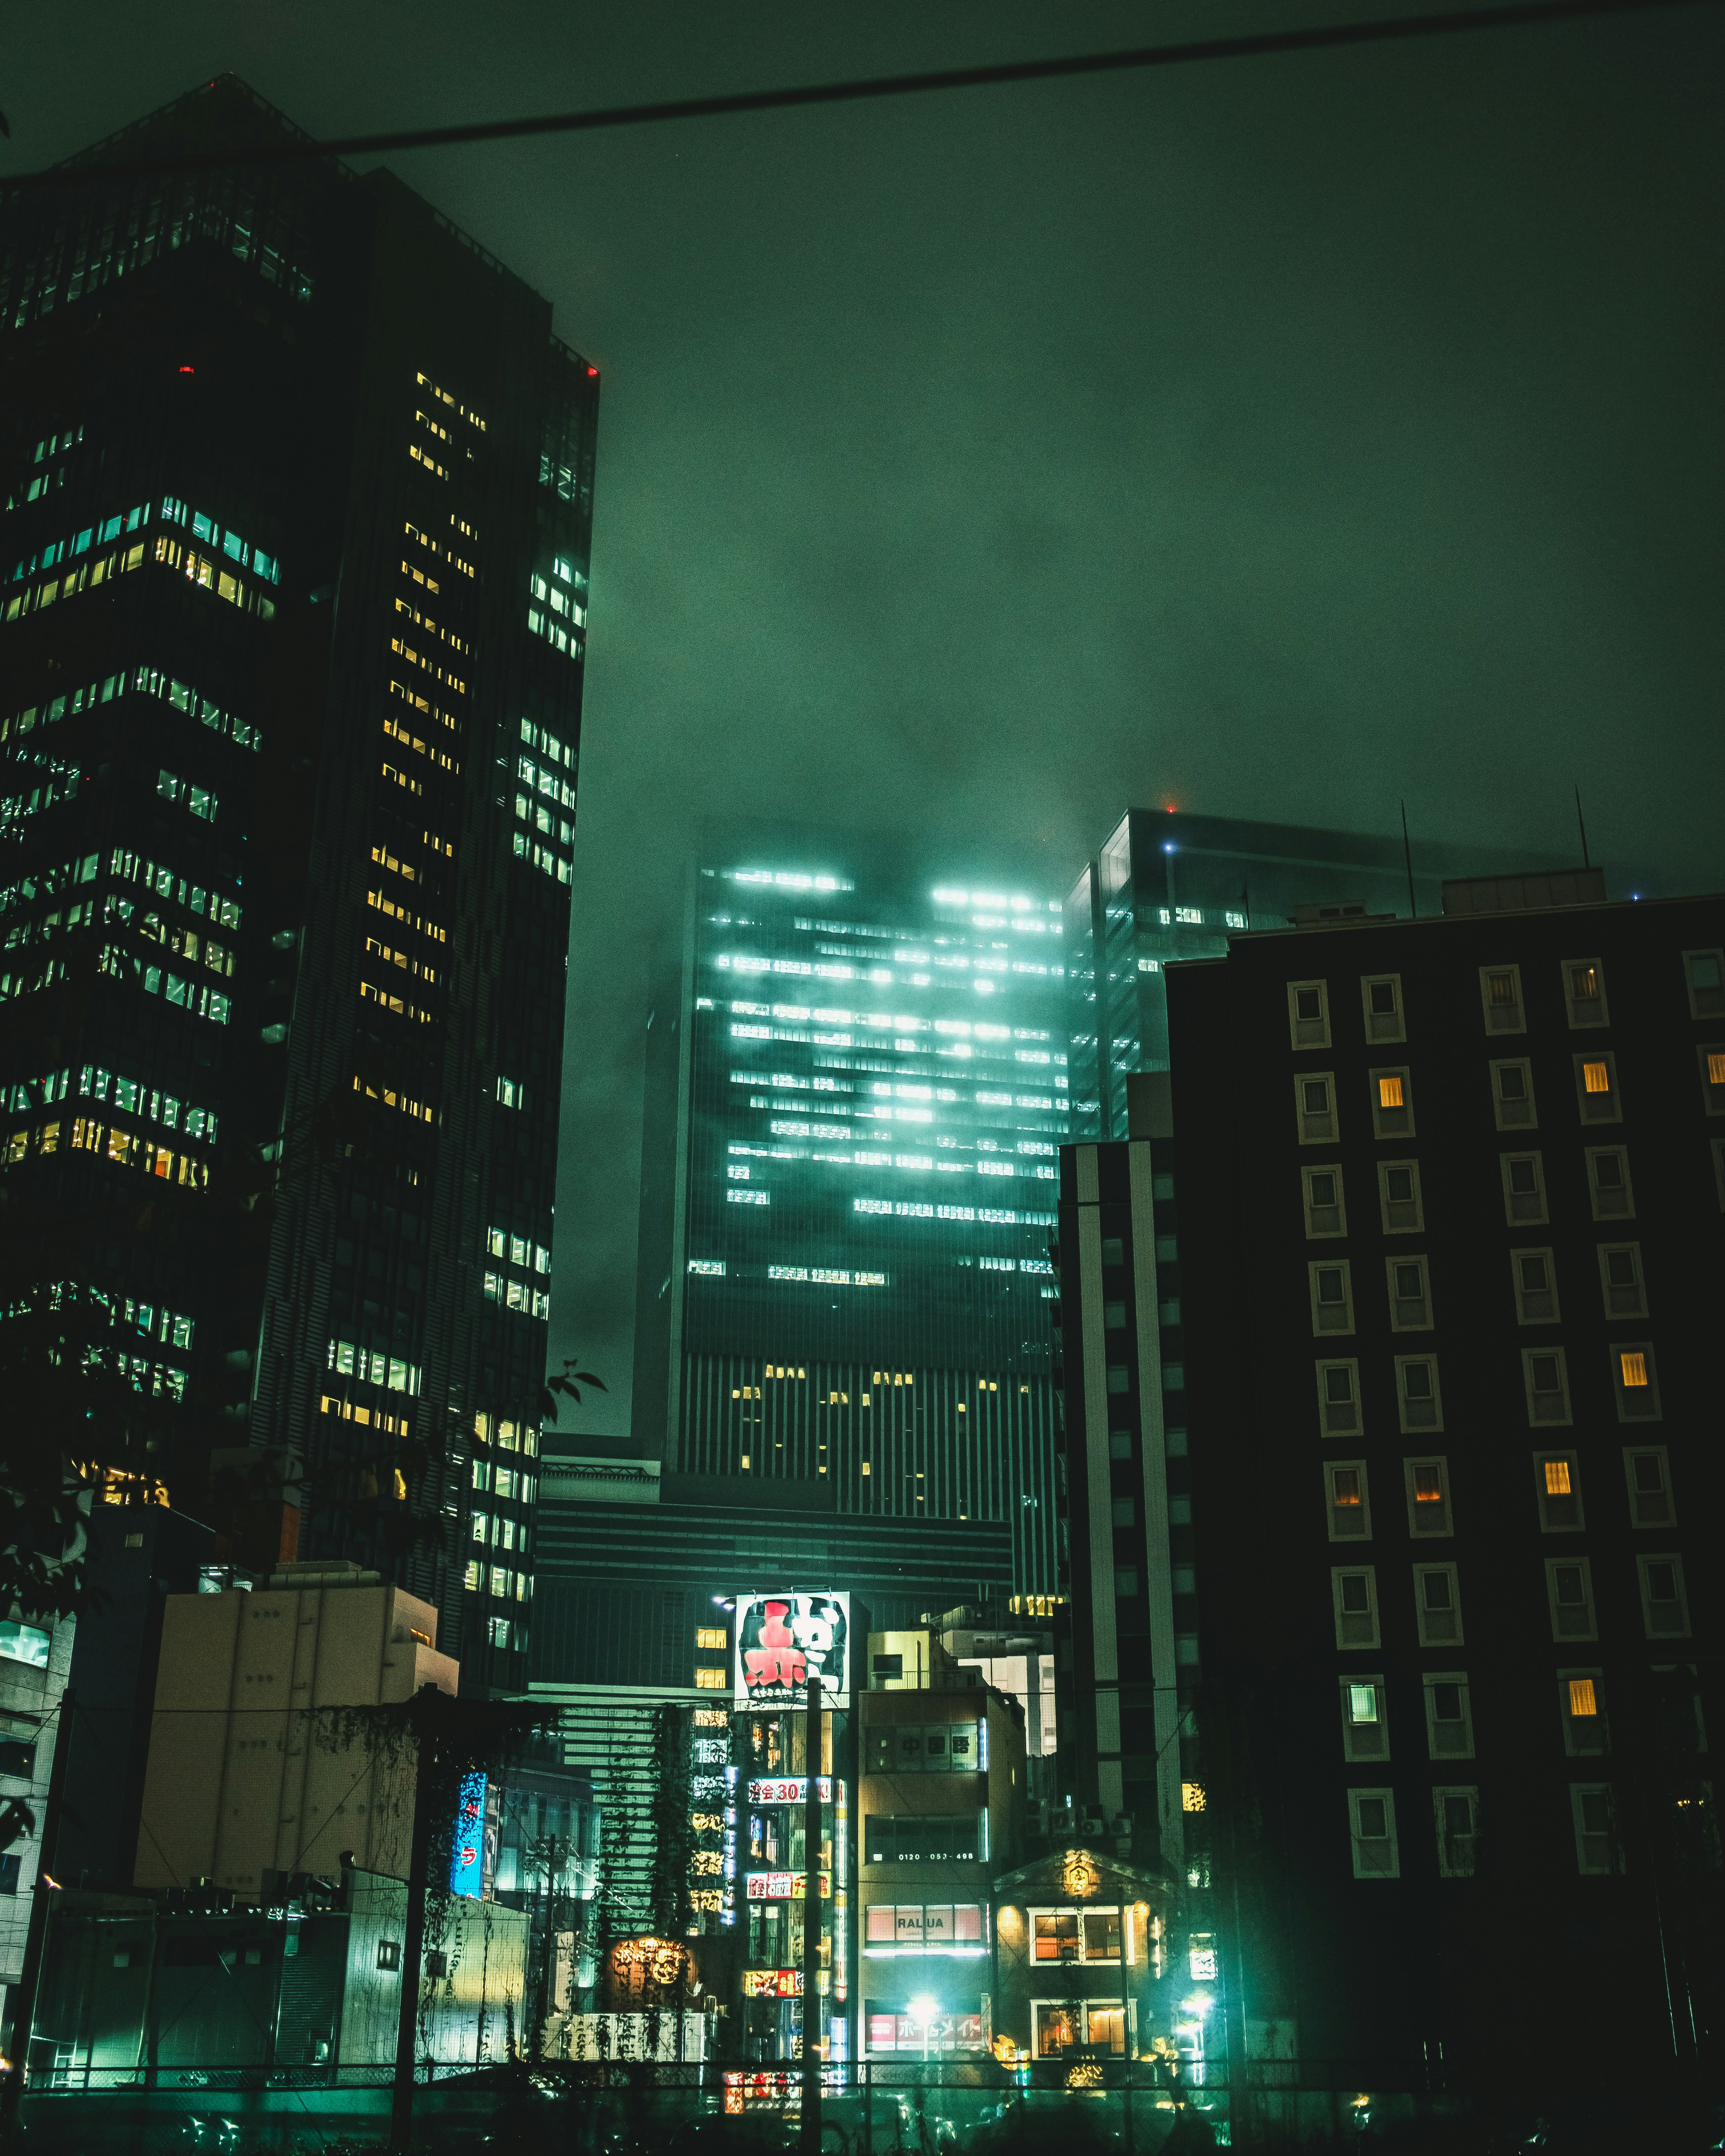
783 1641
784 1886
791 1789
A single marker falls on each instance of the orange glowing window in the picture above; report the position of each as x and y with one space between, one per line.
1428 1486
1389 1093
1556 1478
1582 1698
1716 1068
1347 1491
1596 1077
1635 1368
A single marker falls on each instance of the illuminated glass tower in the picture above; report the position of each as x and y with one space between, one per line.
855 1100
296 521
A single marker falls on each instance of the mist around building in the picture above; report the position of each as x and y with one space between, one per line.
1163 1584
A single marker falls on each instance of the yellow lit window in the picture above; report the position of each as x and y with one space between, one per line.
1584 984
745 1460
1389 1093
1582 1697
1192 1797
1716 1068
1556 1478
1635 1368
1347 1489
1429 1486
865 1468
710 1680
1596 1078
711 1636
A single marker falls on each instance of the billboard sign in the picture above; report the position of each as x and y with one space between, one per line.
791 1789
783 1639
784 1886
467 1871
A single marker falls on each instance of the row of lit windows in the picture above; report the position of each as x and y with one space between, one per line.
1570 1598
1545 1377
501 1482
499 1529
1376 1845
1390 1096
503 1585
443 548
1557 1486
131 1094
144 678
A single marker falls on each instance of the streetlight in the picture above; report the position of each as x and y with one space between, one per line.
923 2009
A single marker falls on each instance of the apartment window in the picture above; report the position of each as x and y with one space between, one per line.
1365 1719
1596 1087
1620 1281
1392 1098
1569 1595
1533 1275
1449 1715
1354 1594
1545 1373
1309 1013
1315 1106
1512 1097
1501 998
1609 1185
1054 1935
1523 1187
1665 1606
1113 1316
1428 1482
1399 1196
1458 1815
1338 1403
1595 1822
1584 992
1409 1295
1581 1711
1636 1381
711 1680
1113 1251
1326 1208
1417 1396
1349 1499
1437 1605
1704 973
1557 1488
712 1635
1331 1297
1713 1078
1647 1469
1381 996
1371 1819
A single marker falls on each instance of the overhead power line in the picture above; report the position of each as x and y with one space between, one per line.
1264 44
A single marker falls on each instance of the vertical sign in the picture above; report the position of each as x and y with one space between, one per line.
467 1849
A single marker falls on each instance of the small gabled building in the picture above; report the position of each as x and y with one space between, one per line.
1083 1967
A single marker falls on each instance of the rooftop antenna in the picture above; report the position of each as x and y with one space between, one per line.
1582 821
1407 855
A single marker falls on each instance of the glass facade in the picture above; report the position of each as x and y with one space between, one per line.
875 1089
1167 886
292 632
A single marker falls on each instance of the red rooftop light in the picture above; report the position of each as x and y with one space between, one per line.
592 372
186 370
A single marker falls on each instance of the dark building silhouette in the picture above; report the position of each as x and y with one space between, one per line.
1450 1257
299 494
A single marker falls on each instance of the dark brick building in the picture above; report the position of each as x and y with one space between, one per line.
1452 1260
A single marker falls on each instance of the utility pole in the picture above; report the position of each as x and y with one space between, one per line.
30 1976
413 1952
810 2141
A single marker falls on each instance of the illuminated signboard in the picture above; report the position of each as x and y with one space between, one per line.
466 1870
783 1639
791 1789
773 1983
784 1886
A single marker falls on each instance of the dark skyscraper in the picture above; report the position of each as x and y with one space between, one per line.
855 1102
298 498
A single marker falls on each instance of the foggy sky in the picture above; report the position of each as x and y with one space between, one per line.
1281 438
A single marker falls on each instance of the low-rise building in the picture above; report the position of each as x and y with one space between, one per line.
941 1804
1082 1966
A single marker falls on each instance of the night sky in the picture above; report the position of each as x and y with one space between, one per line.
1279 439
